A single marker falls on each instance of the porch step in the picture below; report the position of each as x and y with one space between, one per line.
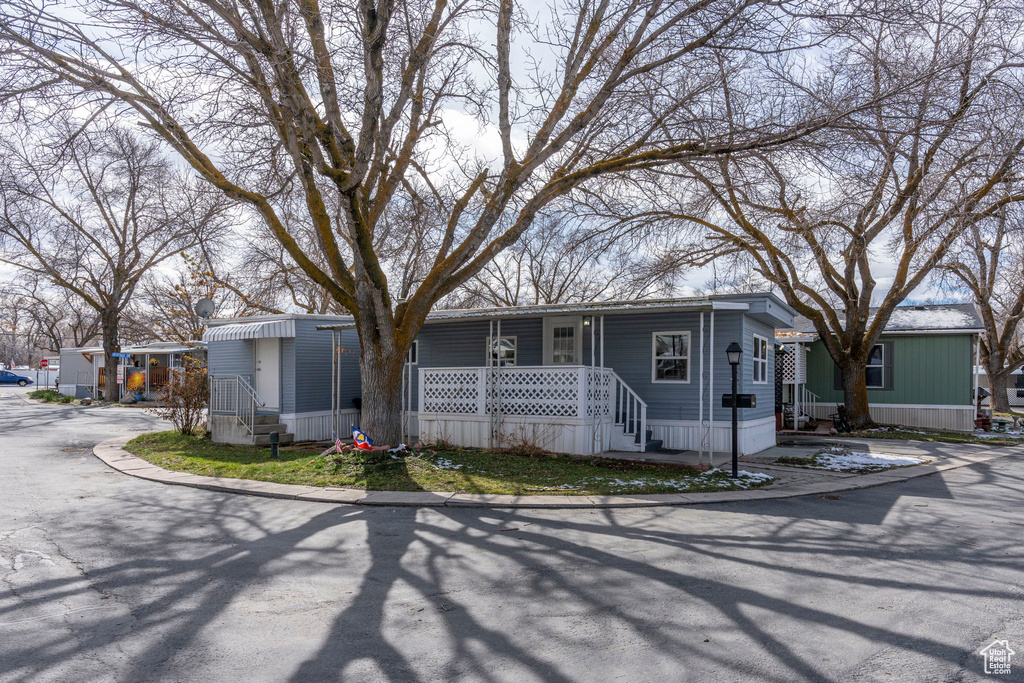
264 439
653 445
266 428
266 419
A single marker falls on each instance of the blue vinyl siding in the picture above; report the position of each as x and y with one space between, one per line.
288 399
350 386
311 367
765 392
231 358
628 350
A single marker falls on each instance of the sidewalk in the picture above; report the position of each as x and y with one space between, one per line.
788 482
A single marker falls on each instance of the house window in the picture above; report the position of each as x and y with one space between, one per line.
671 361
503 351
563 345
413 357
760 360
874 372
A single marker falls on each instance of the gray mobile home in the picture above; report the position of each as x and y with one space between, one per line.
273 373
588 378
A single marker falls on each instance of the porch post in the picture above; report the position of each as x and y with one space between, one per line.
334 385
700 395
711 386
602 341
796 388
975 401
147 375
488 379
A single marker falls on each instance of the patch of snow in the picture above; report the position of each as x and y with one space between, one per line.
998 435
745 479
839 462
931 318
446 464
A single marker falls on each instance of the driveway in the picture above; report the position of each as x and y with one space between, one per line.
106 577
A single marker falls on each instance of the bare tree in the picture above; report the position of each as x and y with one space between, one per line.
564 262
335 120
990 265
892 190
169 299
95 214
47 318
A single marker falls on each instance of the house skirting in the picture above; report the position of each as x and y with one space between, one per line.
949 418
317 426
75 390
558 435
754 435
574 435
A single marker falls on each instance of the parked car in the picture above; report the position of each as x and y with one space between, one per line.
10 378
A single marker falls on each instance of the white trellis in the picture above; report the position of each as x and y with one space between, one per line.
524 391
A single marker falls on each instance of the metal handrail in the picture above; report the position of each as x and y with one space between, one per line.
234 395
629 409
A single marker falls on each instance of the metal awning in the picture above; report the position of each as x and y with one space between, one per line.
254 330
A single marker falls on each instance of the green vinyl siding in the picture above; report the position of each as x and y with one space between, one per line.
932 369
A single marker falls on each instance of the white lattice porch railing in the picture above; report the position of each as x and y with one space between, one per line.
538 391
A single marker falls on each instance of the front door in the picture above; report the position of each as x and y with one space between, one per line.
563 340
268 372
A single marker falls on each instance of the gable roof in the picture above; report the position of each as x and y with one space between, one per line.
925 319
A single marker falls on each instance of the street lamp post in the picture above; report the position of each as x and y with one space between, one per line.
734 352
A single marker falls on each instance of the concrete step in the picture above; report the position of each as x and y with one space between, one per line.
267 428
264 439
266 419
653 445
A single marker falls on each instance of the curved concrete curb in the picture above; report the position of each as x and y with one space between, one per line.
112 453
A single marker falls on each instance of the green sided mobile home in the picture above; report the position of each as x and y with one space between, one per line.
921 372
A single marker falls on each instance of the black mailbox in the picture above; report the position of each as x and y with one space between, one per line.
743 400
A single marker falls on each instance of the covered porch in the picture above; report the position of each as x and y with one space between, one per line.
566 408
585 378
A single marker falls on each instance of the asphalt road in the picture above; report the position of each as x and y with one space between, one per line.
108 578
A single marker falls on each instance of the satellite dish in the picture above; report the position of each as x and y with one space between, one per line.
204 308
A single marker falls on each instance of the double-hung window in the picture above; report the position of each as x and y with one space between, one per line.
760 360
671 357
502 351
874 373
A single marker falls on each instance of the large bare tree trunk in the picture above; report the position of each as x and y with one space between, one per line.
855 394
111 345
381 363
997 380
381 376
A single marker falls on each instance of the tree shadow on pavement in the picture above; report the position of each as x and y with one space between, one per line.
427 585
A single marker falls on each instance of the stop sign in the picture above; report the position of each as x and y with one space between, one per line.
44 363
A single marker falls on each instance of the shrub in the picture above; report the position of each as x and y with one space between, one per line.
185 400
46 395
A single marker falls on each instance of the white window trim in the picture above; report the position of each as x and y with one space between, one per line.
549 324
755 360
515 348
416 346
655 357
881 366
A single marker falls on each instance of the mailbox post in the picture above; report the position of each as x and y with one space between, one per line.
734 352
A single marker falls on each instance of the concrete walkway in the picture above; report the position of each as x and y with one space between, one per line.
788 481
